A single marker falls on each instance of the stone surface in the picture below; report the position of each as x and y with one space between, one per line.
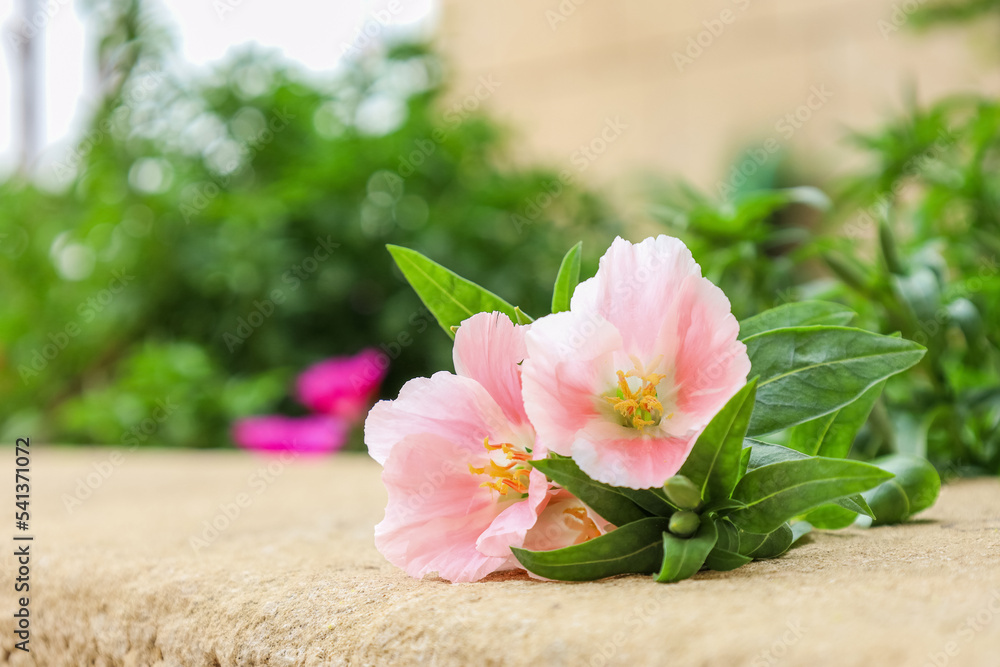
295 580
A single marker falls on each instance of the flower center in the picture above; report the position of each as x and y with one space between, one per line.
510 474
638 407
578 519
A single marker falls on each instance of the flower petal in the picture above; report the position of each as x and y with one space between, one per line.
634 461
436 512
455 408
488 349
511 525
710 363
570 364
635 288
564 522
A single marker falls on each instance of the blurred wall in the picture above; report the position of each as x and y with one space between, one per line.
682 86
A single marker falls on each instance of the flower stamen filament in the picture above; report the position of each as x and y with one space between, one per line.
505 477
639 407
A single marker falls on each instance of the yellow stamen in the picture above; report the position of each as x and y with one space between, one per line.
508 477
642 407
587 528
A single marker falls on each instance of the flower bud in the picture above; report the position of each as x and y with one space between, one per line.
682 492
684 524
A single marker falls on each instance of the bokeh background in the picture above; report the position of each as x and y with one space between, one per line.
195 197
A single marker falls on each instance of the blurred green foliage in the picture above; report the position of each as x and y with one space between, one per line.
955 11
747 244
930 208
214 234
911 243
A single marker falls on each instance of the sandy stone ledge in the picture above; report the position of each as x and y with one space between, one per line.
295 580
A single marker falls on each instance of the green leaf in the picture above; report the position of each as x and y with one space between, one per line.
608 501
683 557
522 317
890 251
800 314
832 435
566 279
636 548
914 488
768 545
720 504
766 453
653 500
856 504
714 462
726 556
808 372
744 460
800 529
830 517
729 535
451 298
780 491
723 560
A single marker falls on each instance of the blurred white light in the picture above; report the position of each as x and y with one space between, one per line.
75 261
150 175
316 35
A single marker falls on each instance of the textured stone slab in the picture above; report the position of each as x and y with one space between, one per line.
295 580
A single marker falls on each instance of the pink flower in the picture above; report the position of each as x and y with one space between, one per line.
343 386
563 522
455 451
314 434
626 379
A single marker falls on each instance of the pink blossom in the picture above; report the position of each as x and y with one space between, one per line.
455 450
343 386
627 378
313 434
564 522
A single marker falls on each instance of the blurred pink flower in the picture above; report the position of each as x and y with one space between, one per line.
454 449
343 386
626 379
313 434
